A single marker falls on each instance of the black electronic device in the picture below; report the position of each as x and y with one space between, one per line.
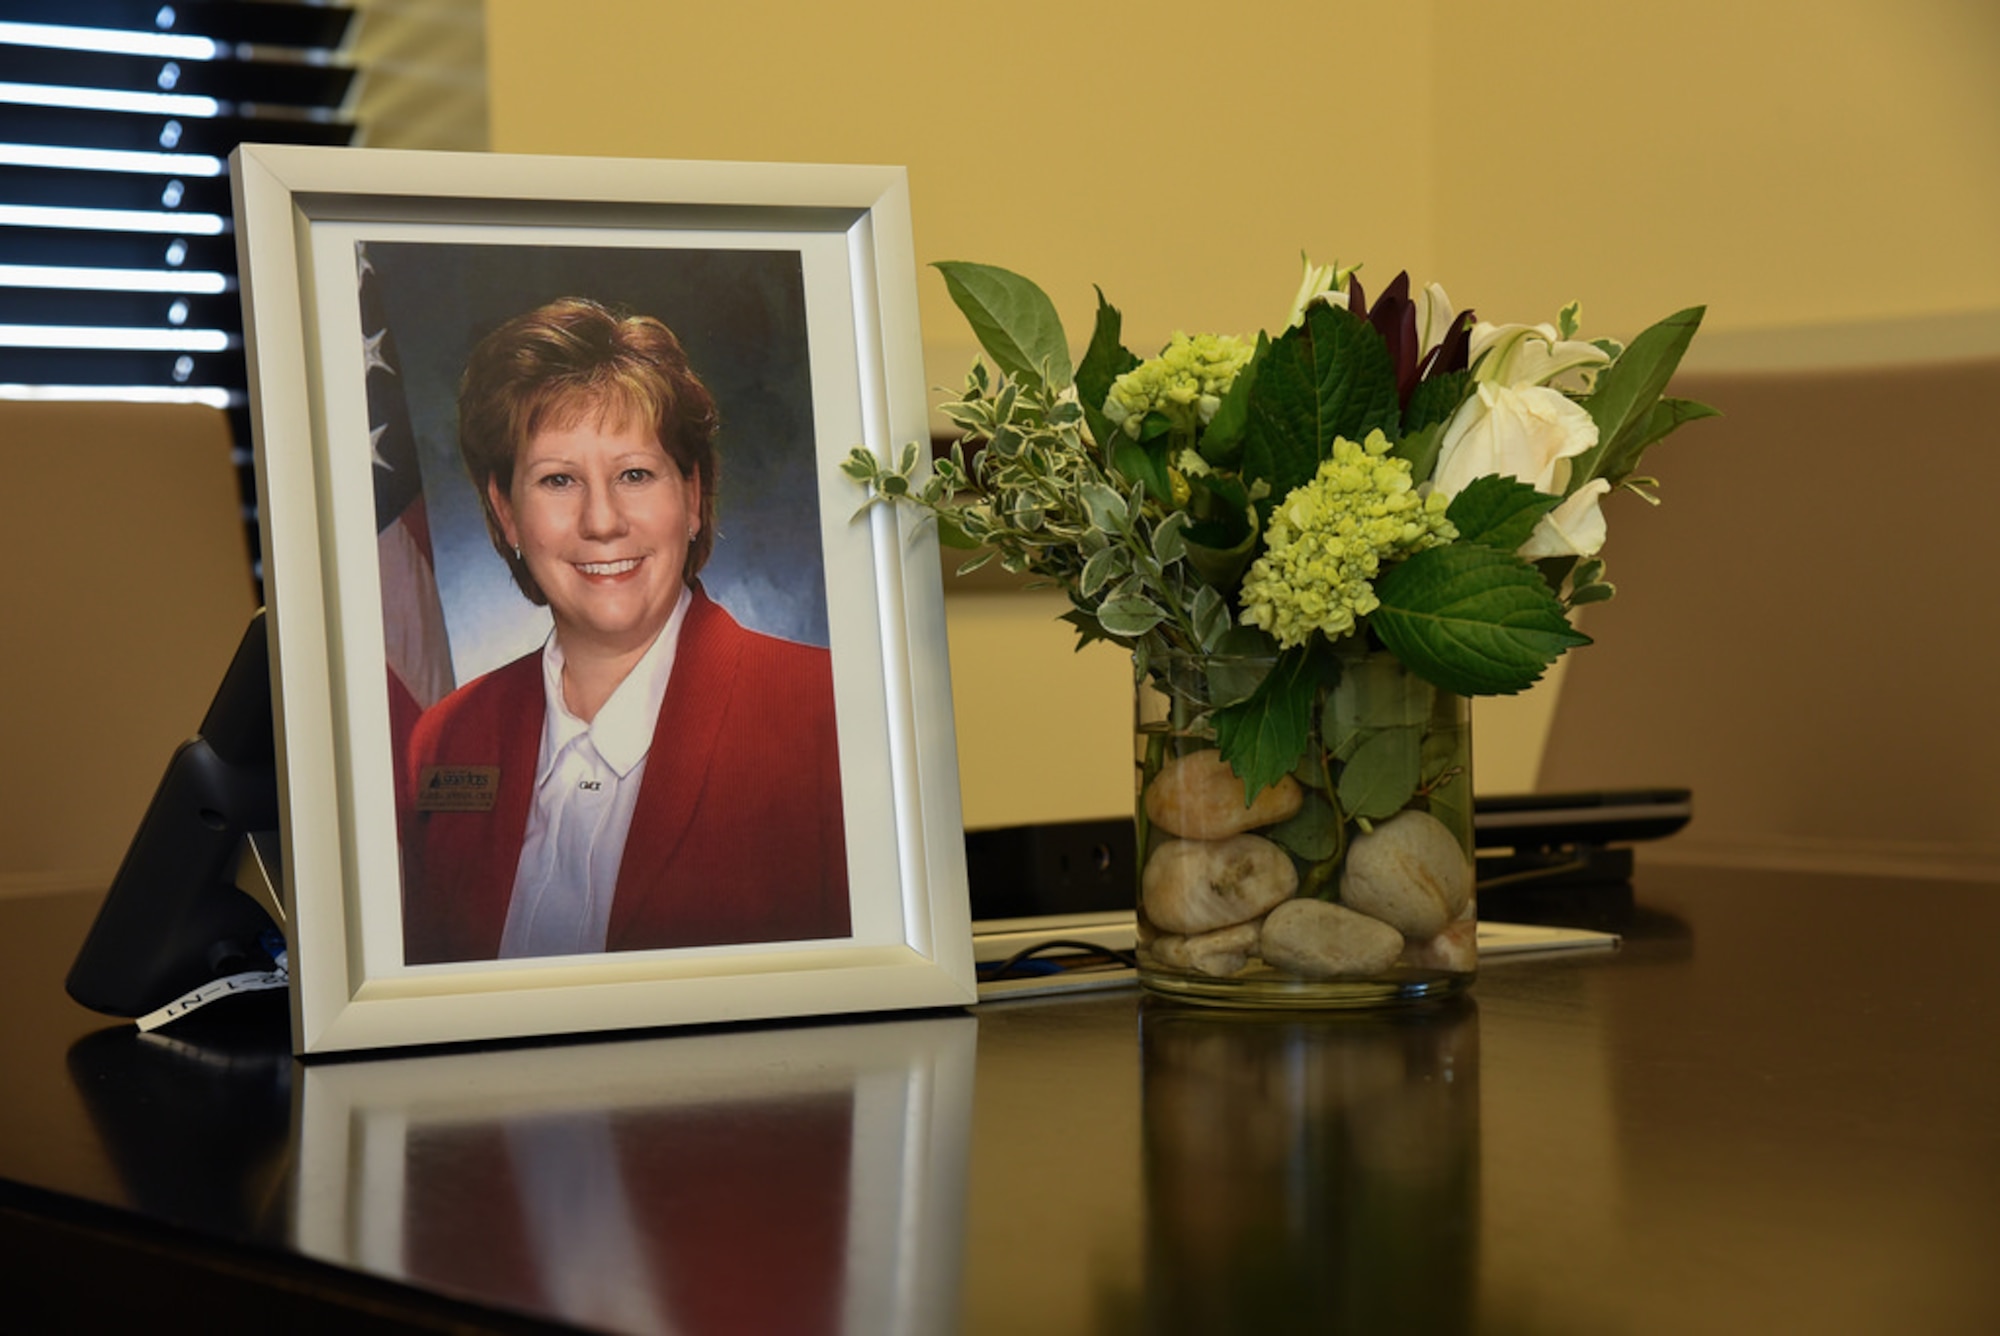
174 918
1558 858
1062 867
1529 821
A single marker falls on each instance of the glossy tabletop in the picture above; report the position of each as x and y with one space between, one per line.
1775 1108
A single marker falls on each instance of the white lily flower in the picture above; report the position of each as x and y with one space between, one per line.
1573 529
1321 283
1433 318
1521 355
1530 433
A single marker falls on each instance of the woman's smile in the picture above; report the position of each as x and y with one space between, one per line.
609 568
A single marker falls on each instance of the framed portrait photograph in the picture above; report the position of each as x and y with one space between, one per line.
598 706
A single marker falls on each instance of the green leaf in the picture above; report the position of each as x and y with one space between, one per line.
1556 571
1014 321
1144 463
1222 567
1498 512
1218 507
1105 507
1601 592
1170 538
1243 658
1263 737
1104 361
1088 628
1222 539
1222 438
1434 400
1472 620
1452 803
1131 586
1382 776
1377 691
1210 614
1249 642
1444 742
1129 615
1667 416
1105 565
973 563
1627 391
860 464
1328 377
1313 832
1420 448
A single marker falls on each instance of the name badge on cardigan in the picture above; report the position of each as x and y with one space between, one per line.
458 788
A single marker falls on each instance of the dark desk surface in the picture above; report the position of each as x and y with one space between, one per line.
1777 1108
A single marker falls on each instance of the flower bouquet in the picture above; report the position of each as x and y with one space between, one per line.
1315 546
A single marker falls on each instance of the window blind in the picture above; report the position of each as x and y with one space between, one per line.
117 259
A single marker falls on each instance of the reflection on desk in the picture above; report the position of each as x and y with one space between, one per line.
1775 1108
1314 1172
657 1185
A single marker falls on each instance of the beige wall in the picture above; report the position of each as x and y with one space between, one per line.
1807 632
132 588
1824 174
423 73
1790 162
1076 143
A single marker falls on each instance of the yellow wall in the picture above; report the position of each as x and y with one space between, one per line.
1790 162
1824 174
1102 143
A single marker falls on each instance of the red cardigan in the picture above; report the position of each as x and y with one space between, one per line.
736 836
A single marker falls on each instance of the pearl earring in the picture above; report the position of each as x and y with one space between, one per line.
517 551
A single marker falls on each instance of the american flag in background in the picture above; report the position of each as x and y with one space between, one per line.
412 617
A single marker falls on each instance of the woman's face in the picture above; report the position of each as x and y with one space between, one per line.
603 519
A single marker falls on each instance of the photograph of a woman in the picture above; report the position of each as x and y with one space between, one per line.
655 774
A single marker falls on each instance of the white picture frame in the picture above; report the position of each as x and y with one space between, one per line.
308 219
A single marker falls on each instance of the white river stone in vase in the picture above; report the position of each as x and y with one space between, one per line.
1198 797
1197 886
1455 949
1218 954
1410 872
1319 940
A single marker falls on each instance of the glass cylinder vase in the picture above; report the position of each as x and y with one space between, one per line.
1347 883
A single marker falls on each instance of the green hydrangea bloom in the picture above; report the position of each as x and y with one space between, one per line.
1186 383
1326 542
